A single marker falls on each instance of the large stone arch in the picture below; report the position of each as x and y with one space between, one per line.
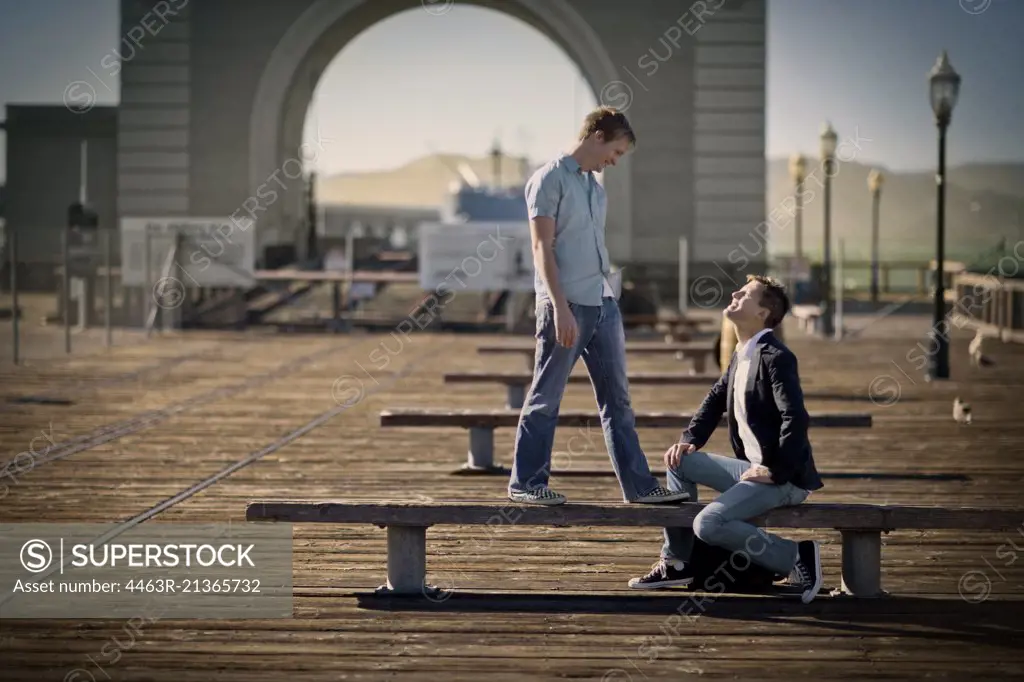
289 78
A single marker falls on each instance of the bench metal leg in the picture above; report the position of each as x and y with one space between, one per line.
407 563
481 447
700 363
481 453
516 395
862 563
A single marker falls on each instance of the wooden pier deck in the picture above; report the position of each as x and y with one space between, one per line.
149 421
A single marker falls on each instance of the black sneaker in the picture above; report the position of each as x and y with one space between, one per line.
663 574
806 573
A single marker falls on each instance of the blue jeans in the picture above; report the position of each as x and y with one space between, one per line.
721 523
602 343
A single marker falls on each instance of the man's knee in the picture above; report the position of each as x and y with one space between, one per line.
707 525
618 404
688 465
541 405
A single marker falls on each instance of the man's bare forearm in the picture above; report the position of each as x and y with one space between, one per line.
544 262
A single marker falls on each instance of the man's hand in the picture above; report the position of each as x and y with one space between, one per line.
566 330
674 455
757 474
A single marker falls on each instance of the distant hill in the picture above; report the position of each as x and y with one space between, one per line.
984 202
424 182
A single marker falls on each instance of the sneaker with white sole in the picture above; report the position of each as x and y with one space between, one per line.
662 495
806 573
664 573
545 496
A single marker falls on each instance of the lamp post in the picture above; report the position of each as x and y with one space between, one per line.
944 87
797 170
829 141
311 214
875 180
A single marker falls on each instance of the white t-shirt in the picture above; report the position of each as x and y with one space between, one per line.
744 353
610 289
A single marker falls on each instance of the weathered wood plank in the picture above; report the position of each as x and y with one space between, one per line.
837 516
638 347
525 378
652 420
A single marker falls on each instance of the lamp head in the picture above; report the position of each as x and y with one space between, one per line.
875 180
829 141
797 167
944 88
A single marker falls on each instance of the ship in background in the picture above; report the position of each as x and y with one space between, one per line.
470 200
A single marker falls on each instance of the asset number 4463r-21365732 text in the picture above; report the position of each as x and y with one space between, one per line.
194 585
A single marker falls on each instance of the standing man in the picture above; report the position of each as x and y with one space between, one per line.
773 466
578 315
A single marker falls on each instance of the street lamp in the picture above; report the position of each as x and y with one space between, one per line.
875 180
797 171
829 140
944 88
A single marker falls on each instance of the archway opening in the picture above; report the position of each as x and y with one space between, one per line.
297 94
429 104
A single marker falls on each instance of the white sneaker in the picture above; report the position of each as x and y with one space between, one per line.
545 496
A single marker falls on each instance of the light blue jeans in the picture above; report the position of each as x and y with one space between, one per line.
721 523
602 344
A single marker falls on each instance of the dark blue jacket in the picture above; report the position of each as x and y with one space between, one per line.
775 410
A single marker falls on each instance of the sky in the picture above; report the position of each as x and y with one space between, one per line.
418 83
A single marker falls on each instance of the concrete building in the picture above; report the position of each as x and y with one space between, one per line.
214 101
215 105
43 177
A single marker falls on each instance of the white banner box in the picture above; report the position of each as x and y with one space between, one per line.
475 257
215 252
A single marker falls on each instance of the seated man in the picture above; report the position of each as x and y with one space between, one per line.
773 467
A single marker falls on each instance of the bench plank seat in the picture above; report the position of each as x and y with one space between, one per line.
860 525
499 418
808 317
700 352
650 319
482 423
640 378
640 347
809 515
516 383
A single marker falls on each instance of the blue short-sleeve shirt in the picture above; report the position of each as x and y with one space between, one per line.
561 190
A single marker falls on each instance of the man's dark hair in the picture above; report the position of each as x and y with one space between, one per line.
773 298
609 121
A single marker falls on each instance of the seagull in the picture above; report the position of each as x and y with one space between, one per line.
978 359
961 411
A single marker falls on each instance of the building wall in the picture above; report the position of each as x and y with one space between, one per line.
729 167
43 162
693 87
153 140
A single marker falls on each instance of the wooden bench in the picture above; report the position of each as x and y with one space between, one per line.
516 383
675 328
808 317
861 527
482 423
698 351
